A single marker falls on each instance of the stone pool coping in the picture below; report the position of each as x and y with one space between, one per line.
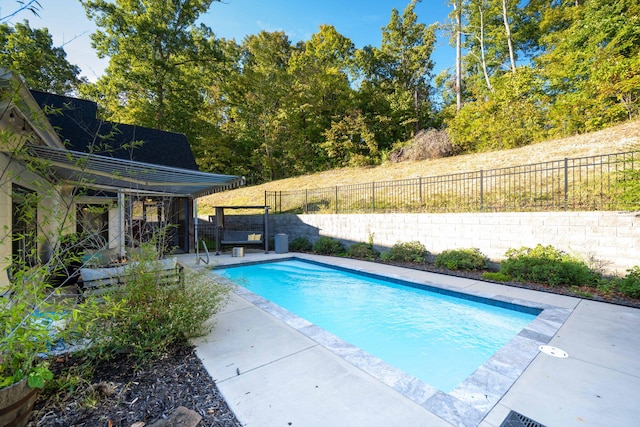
469 402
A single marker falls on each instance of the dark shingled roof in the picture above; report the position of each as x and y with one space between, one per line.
77 124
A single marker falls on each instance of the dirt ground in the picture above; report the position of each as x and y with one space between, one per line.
120 395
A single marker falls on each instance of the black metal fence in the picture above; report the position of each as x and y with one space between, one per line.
603 182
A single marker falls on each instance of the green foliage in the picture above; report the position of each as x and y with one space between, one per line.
34 318
589 62
413 251
148 317
300 244
630 284
545 264
461 259
350 142
328 246
496 276
159 62
30 53
627 185
363 251
512 115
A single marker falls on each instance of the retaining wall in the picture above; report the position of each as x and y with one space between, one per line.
611 240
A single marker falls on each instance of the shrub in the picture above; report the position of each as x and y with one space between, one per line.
461 259
496 276
630 284
300 244
545 264
328 246
363 251
407 252
150 318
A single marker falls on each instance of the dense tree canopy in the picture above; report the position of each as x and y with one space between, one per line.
158 62
577 69
269 107
30 53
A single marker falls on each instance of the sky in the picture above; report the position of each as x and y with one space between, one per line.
359 20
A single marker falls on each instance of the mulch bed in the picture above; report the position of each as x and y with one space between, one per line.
121 394
578 292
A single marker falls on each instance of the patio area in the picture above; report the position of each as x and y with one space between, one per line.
275 369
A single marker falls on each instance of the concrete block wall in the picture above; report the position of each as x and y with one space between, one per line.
611 240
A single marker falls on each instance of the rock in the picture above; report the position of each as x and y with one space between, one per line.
181 417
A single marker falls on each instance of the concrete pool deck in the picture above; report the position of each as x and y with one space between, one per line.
275 369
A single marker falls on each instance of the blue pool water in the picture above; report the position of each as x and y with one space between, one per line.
437 338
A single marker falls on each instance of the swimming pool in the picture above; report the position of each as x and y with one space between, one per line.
439 338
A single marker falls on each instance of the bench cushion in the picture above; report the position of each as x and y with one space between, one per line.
241 237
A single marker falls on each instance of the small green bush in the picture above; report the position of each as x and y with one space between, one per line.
328 246
496 276
630 284
363 251
300 244
407 252
461 259
546 264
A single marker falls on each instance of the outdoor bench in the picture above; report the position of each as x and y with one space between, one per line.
241 238
105 279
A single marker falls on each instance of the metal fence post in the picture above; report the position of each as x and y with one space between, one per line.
336 199
566 183
373 197
481 190
420 192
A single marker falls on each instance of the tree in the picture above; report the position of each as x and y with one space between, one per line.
400 69
159 62
590 63
321 95
30 53
256 99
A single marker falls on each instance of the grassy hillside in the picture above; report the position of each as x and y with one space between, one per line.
624 137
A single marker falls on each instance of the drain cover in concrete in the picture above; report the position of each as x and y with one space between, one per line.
515 419
553 351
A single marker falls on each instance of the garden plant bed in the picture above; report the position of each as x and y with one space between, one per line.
578 292
122 395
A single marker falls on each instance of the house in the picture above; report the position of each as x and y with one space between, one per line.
117 183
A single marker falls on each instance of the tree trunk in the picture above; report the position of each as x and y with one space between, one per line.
507 29
458 86
483 60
